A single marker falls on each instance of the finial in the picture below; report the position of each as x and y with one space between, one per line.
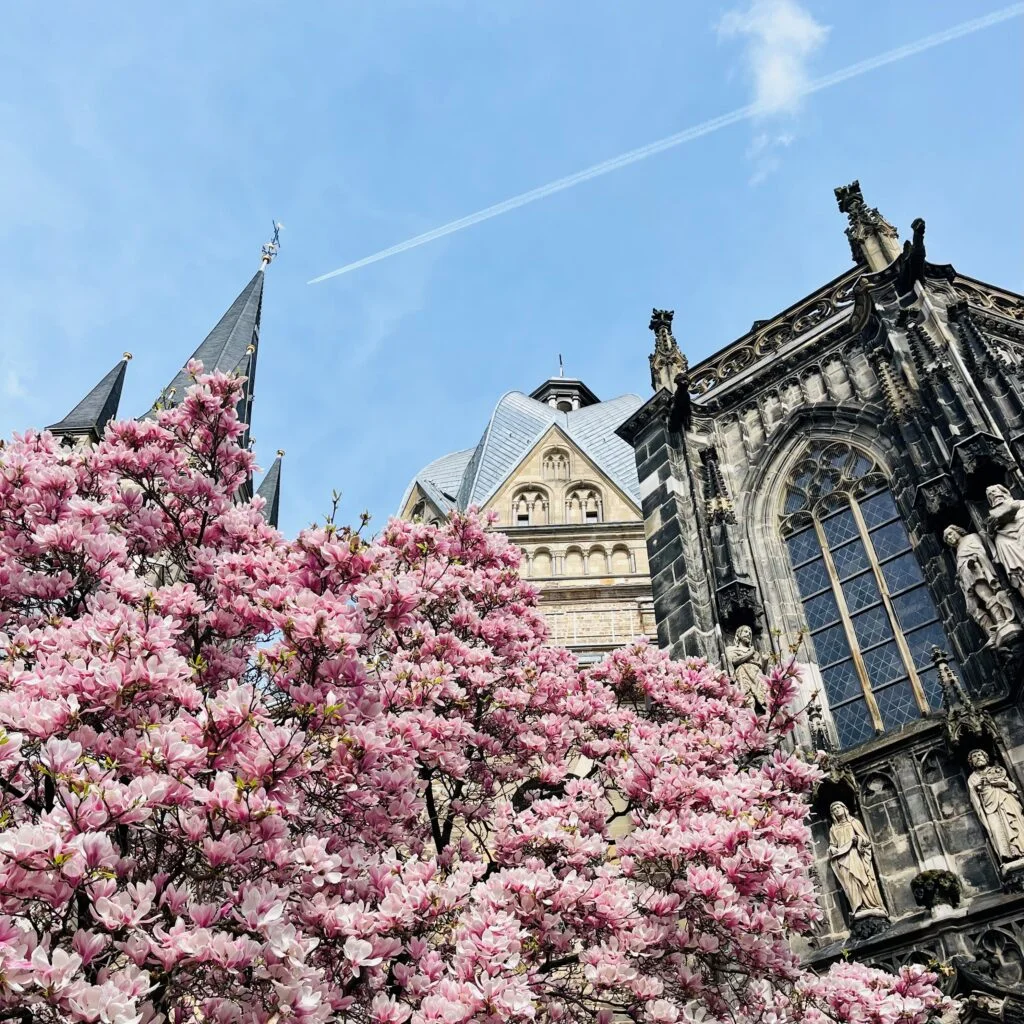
126 356
561 367
873 240
667 362
280 453
270 249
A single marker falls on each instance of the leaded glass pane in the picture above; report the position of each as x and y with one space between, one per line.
812 577
794 502
921 642
853 723
897 705
890 540
877 509
932 689
914 608
842 682
861 591
839 527
821 610
902 572
884 664
860 467
803 545
850 558
830 645
872 627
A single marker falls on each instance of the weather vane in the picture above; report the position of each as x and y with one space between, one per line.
561 368
270 249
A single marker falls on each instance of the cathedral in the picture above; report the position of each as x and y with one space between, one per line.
843 483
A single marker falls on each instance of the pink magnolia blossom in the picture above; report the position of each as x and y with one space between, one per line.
252 779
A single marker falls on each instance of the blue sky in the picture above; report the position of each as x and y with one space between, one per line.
144 151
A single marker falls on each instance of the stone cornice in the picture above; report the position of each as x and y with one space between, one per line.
657 406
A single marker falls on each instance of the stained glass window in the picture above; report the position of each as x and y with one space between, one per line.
871 619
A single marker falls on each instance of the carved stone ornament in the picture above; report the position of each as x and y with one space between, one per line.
667 362
965 725
852 860
1006 521
988 603
996 801
747 665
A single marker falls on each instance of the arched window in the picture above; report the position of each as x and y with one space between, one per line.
556 464
529 507
870 616
583 505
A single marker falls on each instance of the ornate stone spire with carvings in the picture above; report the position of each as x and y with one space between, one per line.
667 362
874 242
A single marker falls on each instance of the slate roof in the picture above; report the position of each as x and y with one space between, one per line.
270 489
471 477
98 408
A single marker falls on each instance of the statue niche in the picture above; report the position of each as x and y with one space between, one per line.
852 859
988 603
996 801
1006 522
747 666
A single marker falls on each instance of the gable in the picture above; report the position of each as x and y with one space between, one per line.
542 468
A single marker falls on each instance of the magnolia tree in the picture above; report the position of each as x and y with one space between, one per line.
244 778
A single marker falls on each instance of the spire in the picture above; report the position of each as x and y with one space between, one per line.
270 490
90 417
232 345
227 346
873 240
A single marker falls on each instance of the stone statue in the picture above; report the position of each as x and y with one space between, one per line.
667 362
1006 520
747 665
996 801
849 851
987 601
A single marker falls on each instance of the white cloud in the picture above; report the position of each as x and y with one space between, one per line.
781 38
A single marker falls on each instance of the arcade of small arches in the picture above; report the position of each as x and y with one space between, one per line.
578 502
575 560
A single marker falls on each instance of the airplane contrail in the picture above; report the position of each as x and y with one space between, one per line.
965 28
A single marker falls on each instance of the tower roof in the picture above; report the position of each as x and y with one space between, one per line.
98 408
230 347
270 490
517 423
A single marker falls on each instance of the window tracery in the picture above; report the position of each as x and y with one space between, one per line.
868 610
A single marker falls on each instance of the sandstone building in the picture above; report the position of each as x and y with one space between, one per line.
564 488
847 477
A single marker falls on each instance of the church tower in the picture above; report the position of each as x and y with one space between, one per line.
565 490
231 347
846 481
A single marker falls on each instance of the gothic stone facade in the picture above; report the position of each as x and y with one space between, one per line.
802 482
